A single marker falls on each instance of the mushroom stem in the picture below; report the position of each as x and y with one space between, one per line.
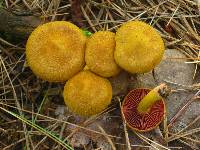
153 96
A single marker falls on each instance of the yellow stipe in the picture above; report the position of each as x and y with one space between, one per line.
147 102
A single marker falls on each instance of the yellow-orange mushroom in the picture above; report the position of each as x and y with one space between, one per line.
87 94
99 54
139 47
55 51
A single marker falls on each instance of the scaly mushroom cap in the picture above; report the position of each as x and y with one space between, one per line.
142 121
99 54
87 94
55 51
139 48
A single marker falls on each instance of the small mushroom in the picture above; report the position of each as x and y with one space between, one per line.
139 48
87 94
55 51
99 54
144 109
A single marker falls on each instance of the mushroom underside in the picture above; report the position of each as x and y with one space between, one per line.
142 121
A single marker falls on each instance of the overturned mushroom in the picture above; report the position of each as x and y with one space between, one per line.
55 51
144 108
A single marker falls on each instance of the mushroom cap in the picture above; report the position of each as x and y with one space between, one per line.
139 47
99 54
142 121
55 51
87 94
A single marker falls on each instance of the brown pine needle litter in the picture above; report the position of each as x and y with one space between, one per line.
32 115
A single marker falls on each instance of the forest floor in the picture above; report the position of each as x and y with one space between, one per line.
32 111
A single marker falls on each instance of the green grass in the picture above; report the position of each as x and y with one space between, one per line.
50 134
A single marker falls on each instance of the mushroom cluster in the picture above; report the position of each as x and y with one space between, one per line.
59 51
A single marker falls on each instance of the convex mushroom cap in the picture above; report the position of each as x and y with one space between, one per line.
55 51
139 47
87 94
99 54
144 109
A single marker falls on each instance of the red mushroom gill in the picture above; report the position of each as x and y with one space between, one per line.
142 121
